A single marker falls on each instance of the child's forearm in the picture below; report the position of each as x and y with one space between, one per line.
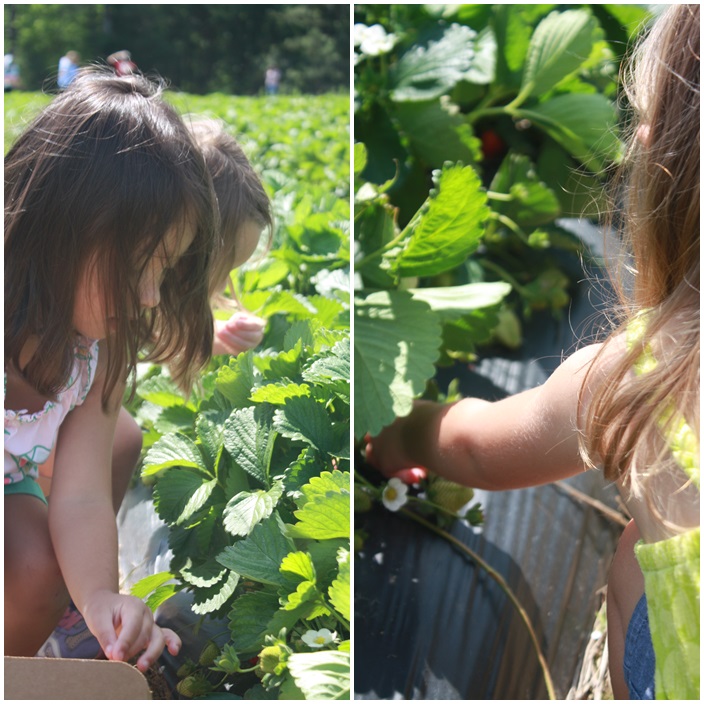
524 440
435 437
84 534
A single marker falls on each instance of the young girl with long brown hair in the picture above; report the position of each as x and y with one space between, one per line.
245 214
630 405
110 221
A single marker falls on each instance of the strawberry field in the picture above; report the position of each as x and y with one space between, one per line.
251 472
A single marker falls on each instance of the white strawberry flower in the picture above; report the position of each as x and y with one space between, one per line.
395 494
374 40
318 639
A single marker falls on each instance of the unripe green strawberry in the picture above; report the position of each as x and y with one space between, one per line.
193 686
452 497
359 537
186 669
475 515
210 652
228 661
269 658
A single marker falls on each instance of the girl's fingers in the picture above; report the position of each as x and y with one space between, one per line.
245 321
104 631
160 638
153 649
411 475
135 631
244 339
173 642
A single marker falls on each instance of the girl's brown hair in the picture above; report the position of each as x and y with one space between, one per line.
240 195
99 178
630 416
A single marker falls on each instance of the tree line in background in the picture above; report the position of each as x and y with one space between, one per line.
197 48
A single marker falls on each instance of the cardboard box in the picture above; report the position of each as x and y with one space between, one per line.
55 678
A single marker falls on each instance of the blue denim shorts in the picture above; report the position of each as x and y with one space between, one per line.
639 656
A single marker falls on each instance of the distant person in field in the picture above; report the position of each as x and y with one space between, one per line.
122 63
68 68
272 78
12 73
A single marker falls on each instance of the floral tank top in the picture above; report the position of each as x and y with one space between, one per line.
30 437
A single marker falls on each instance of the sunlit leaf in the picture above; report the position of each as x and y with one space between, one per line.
259 555
245 510
427 71
214 602
559 45
323 517
173 450
299 564
322 675
453 301
391 368
447 229
341 588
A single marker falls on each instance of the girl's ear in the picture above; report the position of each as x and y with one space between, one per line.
643 134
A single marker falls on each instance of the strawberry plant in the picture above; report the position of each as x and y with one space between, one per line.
253 480
251 472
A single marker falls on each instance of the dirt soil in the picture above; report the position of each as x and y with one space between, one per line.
157 684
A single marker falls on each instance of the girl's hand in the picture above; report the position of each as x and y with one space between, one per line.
387 451
125 627
412 475
241 332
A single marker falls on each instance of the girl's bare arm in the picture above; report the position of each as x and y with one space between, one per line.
523 440
84 533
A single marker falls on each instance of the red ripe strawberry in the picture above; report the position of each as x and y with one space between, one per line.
492 144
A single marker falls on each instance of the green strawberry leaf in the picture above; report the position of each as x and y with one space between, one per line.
249 438
446 230
323 516
259 555
427 71
391 369
559 46
299 564
322 675
205 604
304 419
180 492
173 450
340 590
247 509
